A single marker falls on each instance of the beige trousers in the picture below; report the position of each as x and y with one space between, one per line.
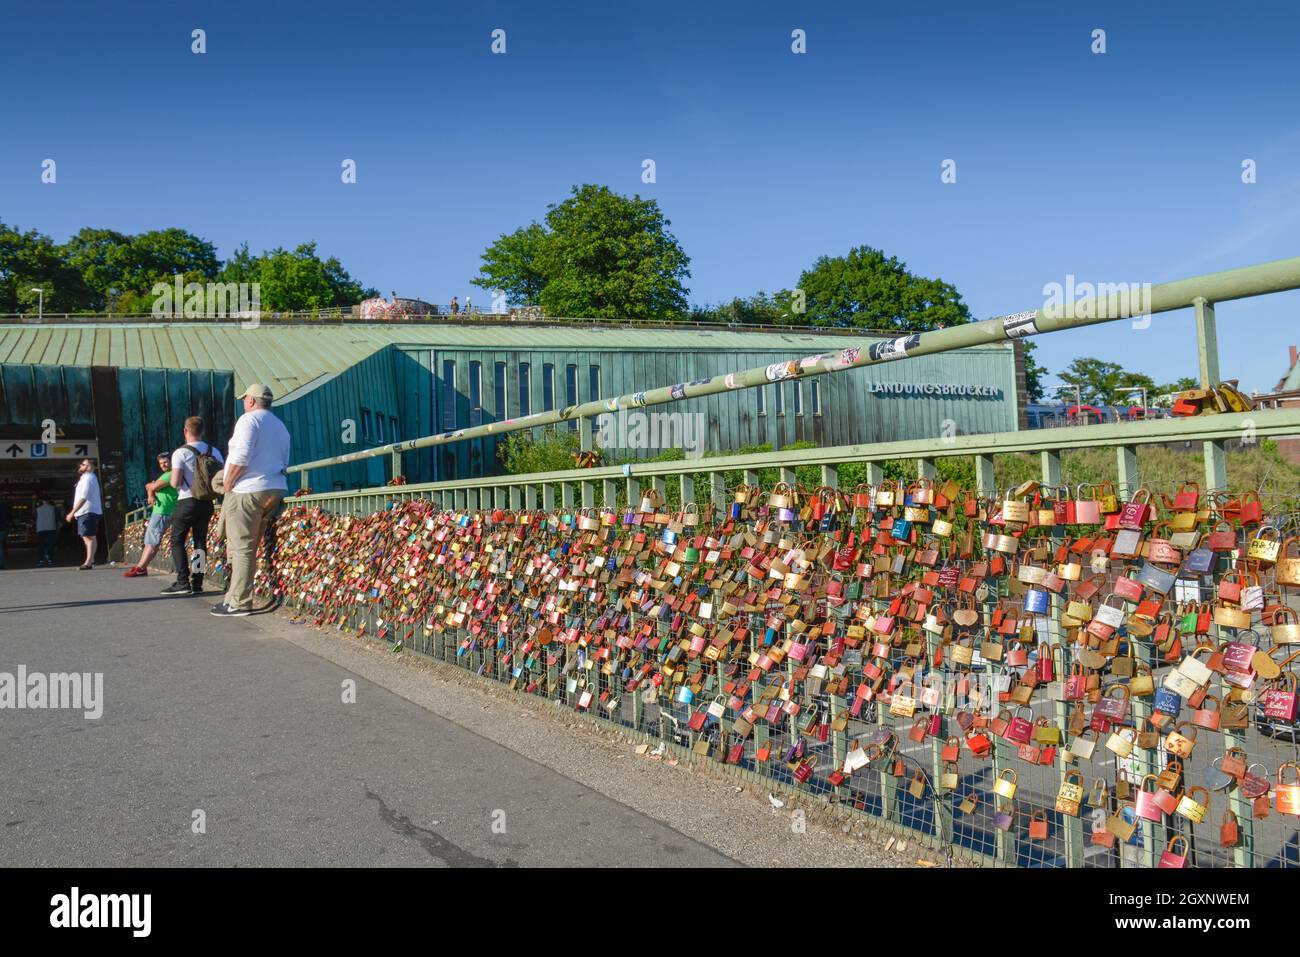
245 515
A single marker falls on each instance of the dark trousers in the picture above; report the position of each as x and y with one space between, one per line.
45 545
190 517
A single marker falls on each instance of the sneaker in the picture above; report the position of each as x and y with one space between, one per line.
177 588
83 568
135 571
223 610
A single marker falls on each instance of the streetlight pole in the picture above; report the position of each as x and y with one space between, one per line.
40 302
1143 390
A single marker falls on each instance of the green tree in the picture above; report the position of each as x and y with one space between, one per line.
128 267
866 289
510 264
599 254
1104 383
1034 373
30 260
295 280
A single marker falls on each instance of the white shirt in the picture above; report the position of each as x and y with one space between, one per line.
261 445
183 462
47 518
88 490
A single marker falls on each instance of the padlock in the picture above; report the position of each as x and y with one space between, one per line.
1171 858
1264 548
1070 796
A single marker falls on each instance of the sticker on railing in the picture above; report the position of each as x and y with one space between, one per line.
894 348
1020 325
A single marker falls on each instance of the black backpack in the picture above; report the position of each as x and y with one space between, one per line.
205 467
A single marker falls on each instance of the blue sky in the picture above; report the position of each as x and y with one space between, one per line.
1123 166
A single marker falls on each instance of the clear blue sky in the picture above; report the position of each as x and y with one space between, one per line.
1124 166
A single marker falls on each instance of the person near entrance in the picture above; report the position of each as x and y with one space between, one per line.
193 466
256 482
163 499
87 509
47 531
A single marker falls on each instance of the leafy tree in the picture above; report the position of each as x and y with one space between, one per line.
1034 373
759 309
295 280
510 264
599 254
1104 383
551 451
866 289
30 260
116 264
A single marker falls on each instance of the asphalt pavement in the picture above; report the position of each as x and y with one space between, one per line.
221 744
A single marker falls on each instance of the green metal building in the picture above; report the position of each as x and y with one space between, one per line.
344 386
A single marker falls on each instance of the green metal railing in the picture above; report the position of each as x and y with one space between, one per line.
578 487
1199 293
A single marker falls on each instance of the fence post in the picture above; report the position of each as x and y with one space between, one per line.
530 496
397 464
1129 479
831 476
985 479
516 498
1074 839
688 488
566 494
633 492
718 492
609 494
548 495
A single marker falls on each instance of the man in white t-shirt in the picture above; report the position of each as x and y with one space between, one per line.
192 513
87 507
256 482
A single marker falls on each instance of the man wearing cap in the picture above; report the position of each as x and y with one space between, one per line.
256 481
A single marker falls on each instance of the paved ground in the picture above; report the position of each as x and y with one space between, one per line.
245 721
219 716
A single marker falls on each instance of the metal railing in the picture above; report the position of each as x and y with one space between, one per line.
1199 293
961 819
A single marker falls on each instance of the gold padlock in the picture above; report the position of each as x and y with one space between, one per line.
1005 786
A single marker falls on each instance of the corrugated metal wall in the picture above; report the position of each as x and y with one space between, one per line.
155 405
317 420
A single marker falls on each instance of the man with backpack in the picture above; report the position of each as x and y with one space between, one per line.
193 466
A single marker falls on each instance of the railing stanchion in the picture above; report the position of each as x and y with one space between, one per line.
986 481
516 498
609 493
1127 469
548 495
718 491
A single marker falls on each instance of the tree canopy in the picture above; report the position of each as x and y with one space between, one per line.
101 269
867 289
598 255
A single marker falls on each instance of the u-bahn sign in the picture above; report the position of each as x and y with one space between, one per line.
20 449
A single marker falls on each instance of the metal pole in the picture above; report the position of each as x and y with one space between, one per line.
1218 287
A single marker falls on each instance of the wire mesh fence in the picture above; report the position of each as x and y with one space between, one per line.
988 738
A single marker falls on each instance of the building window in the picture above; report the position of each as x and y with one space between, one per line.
475 393
593 383
760 395
571 386
367 428
548 387
780 399
798 397
816 387
448 395
525 389
392 429
499 391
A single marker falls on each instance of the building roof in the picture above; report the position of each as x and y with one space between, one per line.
287 357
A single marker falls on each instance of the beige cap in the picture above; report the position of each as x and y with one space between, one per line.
257 391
